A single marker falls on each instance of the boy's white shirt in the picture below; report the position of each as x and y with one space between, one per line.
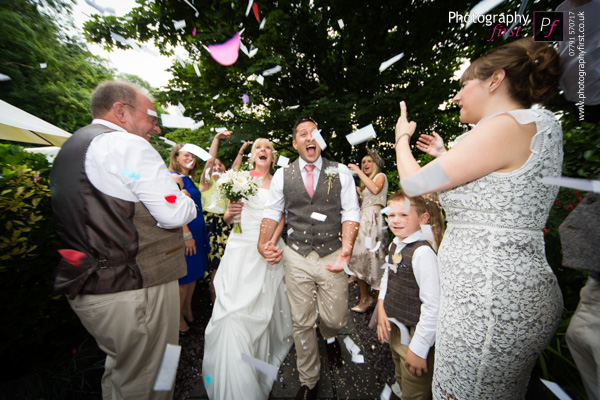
425 268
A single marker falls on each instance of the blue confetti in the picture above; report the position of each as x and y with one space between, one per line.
127 173
208 379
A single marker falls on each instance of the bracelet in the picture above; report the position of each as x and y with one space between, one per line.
188 236
400 137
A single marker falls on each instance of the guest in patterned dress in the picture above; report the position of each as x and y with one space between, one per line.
369 249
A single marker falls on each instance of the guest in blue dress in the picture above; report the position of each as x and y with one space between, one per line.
183 165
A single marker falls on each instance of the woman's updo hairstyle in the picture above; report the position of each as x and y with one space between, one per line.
532 69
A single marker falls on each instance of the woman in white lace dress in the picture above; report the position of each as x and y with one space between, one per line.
500 301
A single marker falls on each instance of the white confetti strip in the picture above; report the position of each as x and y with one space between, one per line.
318 216
168 368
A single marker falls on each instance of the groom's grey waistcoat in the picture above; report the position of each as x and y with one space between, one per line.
309 234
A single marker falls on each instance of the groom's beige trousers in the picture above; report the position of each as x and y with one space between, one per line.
314 292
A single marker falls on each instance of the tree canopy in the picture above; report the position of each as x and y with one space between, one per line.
330 72
58 91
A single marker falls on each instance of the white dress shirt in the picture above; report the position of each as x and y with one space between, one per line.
425 268
123 165
349 198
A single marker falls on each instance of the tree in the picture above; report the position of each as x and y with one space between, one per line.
60 92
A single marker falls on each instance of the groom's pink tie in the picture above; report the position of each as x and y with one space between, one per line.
310 188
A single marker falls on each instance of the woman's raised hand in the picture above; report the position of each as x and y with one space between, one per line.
403 126
354 167
431 144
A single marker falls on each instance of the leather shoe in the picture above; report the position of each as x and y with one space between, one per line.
334 354
195 322
185 333
306 394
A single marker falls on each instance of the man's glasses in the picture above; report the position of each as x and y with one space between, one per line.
153 118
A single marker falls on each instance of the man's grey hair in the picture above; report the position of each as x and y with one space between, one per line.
109 92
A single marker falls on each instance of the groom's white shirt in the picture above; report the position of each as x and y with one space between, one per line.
348 196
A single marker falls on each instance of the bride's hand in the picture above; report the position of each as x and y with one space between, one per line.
235 208
272 253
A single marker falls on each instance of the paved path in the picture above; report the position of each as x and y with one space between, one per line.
352 381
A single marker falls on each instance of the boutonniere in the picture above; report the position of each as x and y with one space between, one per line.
330 173
397 258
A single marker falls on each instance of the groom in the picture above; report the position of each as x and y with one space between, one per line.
323 217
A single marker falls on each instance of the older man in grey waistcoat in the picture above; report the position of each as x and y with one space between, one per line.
323 216
120 214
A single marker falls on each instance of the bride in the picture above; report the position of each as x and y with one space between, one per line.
251 314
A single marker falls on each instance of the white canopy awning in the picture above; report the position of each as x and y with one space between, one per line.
19 126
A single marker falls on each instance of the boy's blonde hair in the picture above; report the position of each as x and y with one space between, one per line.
425 204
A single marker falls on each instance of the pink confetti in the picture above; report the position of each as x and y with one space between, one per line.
171 198
73 257
37 177
255 174
194 31
226 53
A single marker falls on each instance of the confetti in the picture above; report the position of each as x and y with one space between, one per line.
318 216
43 65
127 173
361 135
272 71
267 369
556 390
195 9
573 183
73 257
196 68
4 77
168 368
386 64
176 121
346 269
341 23
245 98
196 150
377 246
260 79
255 10
407 204
226 53
179 24
171 198
283 161
316 134
249 7
262 23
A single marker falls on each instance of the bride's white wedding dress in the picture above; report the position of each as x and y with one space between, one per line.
251 314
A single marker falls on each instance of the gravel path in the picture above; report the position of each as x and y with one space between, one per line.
189 373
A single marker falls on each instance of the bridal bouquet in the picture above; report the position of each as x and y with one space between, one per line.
235 186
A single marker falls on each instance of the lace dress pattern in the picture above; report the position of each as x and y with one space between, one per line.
500 301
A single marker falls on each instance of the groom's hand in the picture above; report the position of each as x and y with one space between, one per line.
272 253
343 257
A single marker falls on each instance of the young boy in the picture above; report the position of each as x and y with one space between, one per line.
409 296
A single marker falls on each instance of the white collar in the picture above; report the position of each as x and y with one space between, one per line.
415 237
318 164
108 124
